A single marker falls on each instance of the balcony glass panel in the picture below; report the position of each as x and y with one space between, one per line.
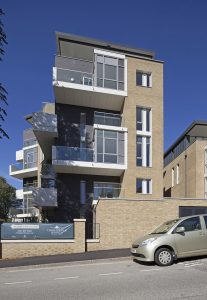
107 190
107 119
30 142
77 77
73 153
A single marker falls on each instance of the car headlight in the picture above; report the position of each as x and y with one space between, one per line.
147 242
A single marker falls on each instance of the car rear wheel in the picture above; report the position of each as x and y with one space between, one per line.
163 257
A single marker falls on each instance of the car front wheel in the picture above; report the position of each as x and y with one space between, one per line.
163 257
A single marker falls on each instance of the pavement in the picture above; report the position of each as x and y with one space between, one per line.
65 258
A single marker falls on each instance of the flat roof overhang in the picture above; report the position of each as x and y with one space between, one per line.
88 168
89 96
24 173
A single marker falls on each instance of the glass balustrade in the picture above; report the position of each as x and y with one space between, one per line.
73 153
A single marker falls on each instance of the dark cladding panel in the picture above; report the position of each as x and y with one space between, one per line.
44 197
75 50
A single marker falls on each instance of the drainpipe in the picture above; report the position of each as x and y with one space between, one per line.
185 175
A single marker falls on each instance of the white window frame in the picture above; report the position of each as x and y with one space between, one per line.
144 134
144 78
177 174
144 186
173 177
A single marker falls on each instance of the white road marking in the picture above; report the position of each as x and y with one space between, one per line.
64 266
62 278
149 270
18 282
108 274
192 265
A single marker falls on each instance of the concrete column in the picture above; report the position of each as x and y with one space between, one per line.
79 235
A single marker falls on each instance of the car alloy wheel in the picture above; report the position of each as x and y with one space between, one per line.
163 257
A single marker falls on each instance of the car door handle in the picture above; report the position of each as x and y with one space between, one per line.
202 234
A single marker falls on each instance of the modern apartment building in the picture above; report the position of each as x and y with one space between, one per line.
103 136
185 164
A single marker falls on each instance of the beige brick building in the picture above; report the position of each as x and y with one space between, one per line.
103 136
185 164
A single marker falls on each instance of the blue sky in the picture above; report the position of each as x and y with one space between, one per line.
176 30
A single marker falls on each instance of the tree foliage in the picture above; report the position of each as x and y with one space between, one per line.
7 198
3 92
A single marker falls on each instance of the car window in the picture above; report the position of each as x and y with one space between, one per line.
205 219
191 224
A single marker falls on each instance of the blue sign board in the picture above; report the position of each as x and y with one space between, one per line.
36 231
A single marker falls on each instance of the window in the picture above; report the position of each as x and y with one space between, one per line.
107 190
177 174
143 186
143 125
143 151
30 158
28 203
205 186
191 224
109 146
109 72
143 119
205 171
173 174
143 79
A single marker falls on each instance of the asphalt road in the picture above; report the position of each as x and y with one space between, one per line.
106 279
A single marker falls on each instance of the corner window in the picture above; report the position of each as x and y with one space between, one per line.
143 79
109 72
143 186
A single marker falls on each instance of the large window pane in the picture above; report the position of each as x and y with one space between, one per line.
121 74
99 70
139 186
109 158
110 72
110 84
147 120
110 146
139 118
148 143
110 134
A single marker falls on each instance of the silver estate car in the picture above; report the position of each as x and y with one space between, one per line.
174 239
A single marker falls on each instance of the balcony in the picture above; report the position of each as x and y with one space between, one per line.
45 130
29 186
44 197
76 83
20 170
85 161
108 193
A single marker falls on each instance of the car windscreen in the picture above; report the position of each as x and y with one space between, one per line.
165 227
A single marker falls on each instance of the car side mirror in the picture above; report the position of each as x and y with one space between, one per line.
180 229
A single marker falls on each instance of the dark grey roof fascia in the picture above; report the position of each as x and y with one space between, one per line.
104 44
185 133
